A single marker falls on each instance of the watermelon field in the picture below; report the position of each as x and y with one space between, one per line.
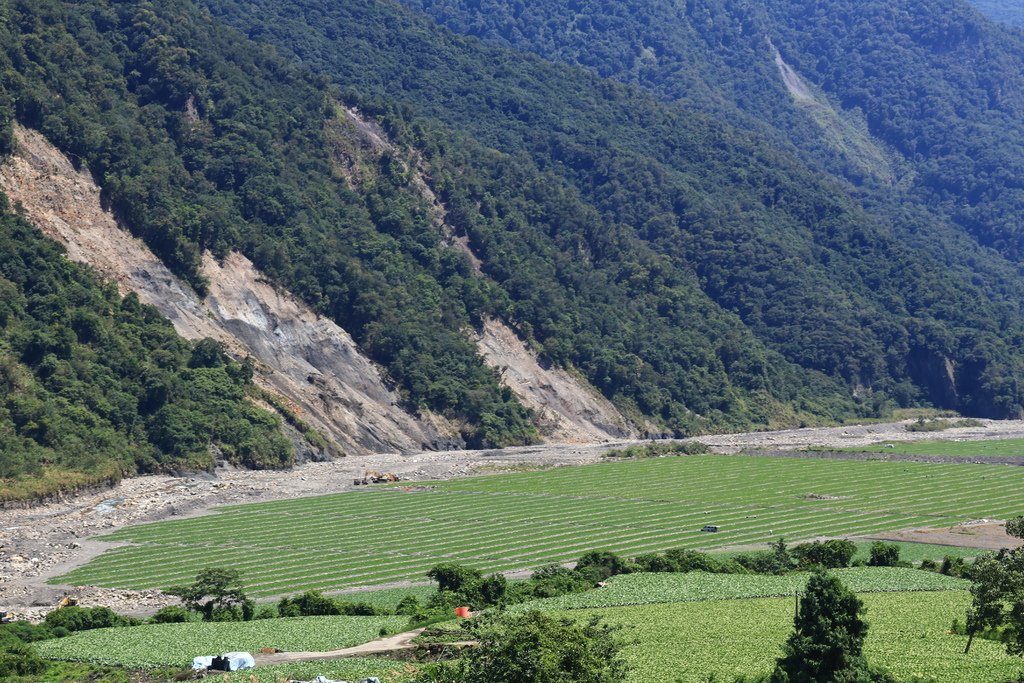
390 534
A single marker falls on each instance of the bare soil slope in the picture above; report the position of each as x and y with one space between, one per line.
567 410
310 361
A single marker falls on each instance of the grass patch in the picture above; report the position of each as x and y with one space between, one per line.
658 449
990 448
923 425
354 669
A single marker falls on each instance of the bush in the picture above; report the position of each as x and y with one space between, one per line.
20 660
534 648
453 577
599 565
884 554
953 566
831 554
172 614
86 618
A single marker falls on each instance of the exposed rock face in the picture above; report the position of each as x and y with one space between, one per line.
308 360
566 409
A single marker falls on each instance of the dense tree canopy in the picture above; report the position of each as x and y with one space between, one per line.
94 386
655 215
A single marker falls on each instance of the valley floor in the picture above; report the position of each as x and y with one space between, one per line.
43 541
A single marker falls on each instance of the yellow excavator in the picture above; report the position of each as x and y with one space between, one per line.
375 477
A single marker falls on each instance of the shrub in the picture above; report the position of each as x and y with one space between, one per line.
172 614
831 554
601 564
86 618
884 554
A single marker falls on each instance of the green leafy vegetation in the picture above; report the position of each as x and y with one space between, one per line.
534 648
112 84
687 269
1006 11
908 636
658 449
754 257
646 588
528 519
922 425
94 386
991 448
154 645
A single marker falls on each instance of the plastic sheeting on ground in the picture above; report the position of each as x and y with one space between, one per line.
324 679
237 661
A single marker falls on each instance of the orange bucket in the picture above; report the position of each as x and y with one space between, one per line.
462 612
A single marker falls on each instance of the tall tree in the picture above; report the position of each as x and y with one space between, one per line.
998 593
827 642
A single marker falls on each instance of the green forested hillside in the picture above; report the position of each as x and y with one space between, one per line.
1008 11
701 272
815 277
94 386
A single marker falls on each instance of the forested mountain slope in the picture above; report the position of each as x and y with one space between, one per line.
1008 11
94 386
212 142
813 275
701 273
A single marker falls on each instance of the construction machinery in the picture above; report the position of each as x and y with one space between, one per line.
66 601
375 477
7 618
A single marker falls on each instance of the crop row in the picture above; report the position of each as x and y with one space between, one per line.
908 635
528 519
643 589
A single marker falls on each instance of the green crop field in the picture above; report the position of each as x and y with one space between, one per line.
356 669
645 589
991 448
687 642
176 644
523 520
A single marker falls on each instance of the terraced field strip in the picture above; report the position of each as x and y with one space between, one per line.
523 520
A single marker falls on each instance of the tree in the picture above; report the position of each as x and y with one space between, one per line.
998 595
453 577
884 554
217 594
535 648
831 554
828 636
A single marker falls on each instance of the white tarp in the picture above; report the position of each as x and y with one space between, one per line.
236 661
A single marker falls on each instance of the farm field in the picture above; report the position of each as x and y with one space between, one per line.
524 520
645 589
993 448
155 645
687 642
